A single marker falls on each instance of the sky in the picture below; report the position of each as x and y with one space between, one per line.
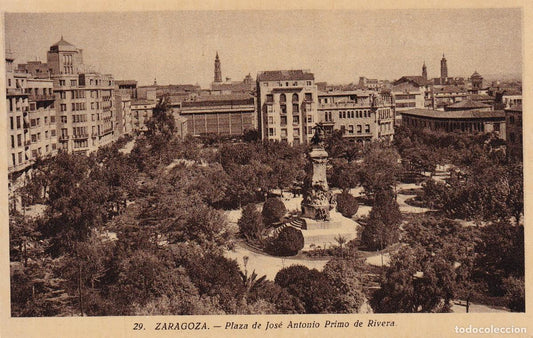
337 46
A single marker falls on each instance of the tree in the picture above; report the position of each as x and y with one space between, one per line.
382 227
251 223
515 294
289 241
380 169
500 255
217 276
345 275
313 288
415 281
273 210
251 135
344 174
347 204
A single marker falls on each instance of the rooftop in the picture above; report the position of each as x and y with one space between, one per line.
285 75
457 114
467 104
418 80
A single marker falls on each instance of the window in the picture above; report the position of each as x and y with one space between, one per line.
20 157
309 118
295 108
11 123
270 98
64 119
350 129
13 157
73 83
296 132
270 120
283 132
63 107
62 82
308 83
271 132
53 132
367 128
283 109
34 153
33 138
18 122
296 119
12 141
52 119
294 97
309 97
309 130
283 120
359 129
282 98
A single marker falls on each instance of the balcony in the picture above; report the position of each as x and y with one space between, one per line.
34 97
80 136
63 138
15 91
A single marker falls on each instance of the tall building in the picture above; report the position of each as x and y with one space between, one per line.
42 118
218 71
18 135
360 115
286 105
424 71
443 69
84 100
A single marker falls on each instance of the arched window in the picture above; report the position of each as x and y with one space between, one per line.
294 97
282 98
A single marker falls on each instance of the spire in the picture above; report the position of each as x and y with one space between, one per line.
218 71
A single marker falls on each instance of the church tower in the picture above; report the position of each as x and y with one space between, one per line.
443 69
218 72
424 71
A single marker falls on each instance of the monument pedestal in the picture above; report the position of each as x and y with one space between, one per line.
323 233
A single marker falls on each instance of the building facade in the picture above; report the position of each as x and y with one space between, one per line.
513 118
226 115
141 112
360 115
473 121
17 109
286 105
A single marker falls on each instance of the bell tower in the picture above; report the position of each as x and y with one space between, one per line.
443 69
218 71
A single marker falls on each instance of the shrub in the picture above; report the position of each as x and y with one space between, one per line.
289 241
347 204
273 210
251 222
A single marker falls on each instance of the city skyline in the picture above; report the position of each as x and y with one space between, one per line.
337 46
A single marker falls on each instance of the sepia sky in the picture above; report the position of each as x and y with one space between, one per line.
338 46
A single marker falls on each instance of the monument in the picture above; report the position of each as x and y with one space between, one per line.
319 222
317 199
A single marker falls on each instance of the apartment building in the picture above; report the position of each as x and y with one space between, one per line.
286 105
360 115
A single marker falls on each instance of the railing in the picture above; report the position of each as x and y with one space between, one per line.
345 105
80 136
46 97
15 91
63 137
